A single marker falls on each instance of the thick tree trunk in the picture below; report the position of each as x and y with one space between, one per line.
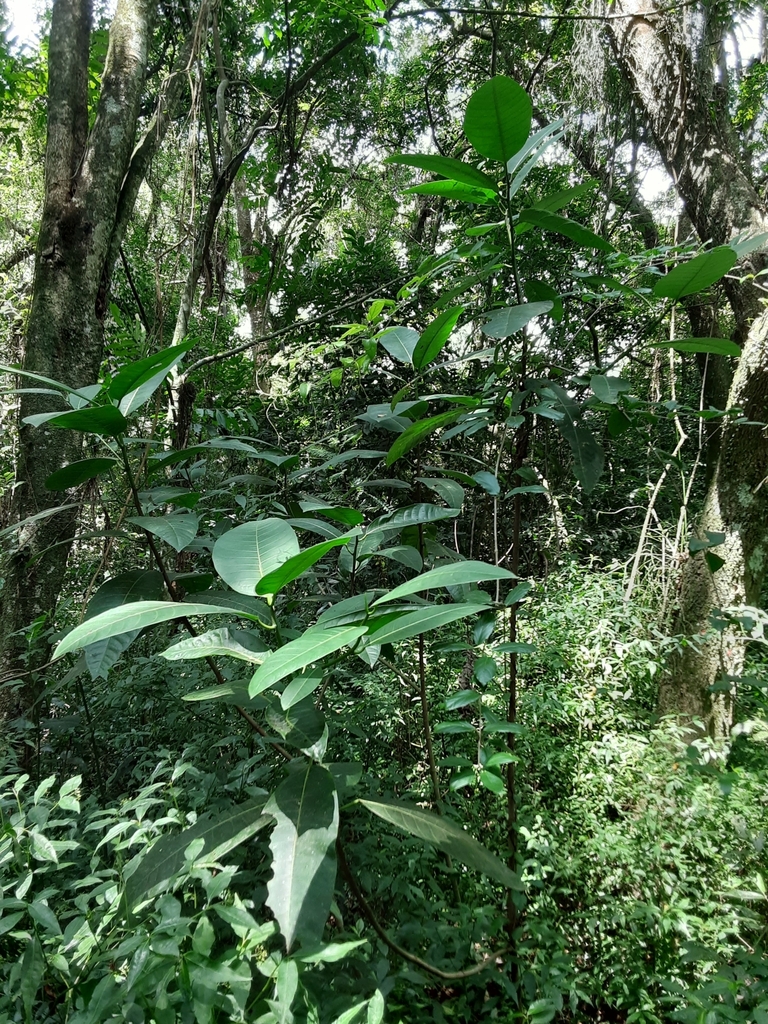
84 174
666 59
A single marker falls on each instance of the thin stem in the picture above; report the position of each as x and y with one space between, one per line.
351 881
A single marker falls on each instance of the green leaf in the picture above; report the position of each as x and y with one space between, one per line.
524 161
453 190
412 515
434 337
129 617
491 781
294 567
128 587
608 389
540 291
57 384
78 472
712 346
403 554
416 433
556 201
238 604
519 592
98 419
101 656
409 624
448 576
451 492
399 342
303 651
302 726
456 170
330 953
461 699
498 119
446 835
299 894
220 833
245 646
488 482
244 555
301 686
697 274
177 530
503 323
42 848
131 383
31 975
565 226
588 457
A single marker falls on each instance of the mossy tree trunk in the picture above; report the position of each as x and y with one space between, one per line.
86 172
666 59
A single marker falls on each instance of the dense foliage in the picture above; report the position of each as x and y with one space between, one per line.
348 710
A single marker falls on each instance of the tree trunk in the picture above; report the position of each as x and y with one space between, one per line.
666 59
84 174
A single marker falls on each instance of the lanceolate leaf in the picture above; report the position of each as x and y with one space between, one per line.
130 617
98 419
434 337
78 472
503 323
238 604
565 226
608 389
227 641
588 457
454 190
399 342
413 515
712 346
304 650
498 119
446 835
291 569
410 624
244 555
556 201
131 378
176 530
416 433
448 576
696 275
306 809
220 834
456 170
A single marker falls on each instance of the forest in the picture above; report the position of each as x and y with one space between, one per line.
384 511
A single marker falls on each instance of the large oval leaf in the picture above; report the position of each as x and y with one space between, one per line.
244 555
177 530
448 576
130 617
299 894
447 166
446 835
399 342
498 119
697 274
503 323
78 472
304 650
434 337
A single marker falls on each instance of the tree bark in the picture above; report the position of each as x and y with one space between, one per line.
84 174
666 60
